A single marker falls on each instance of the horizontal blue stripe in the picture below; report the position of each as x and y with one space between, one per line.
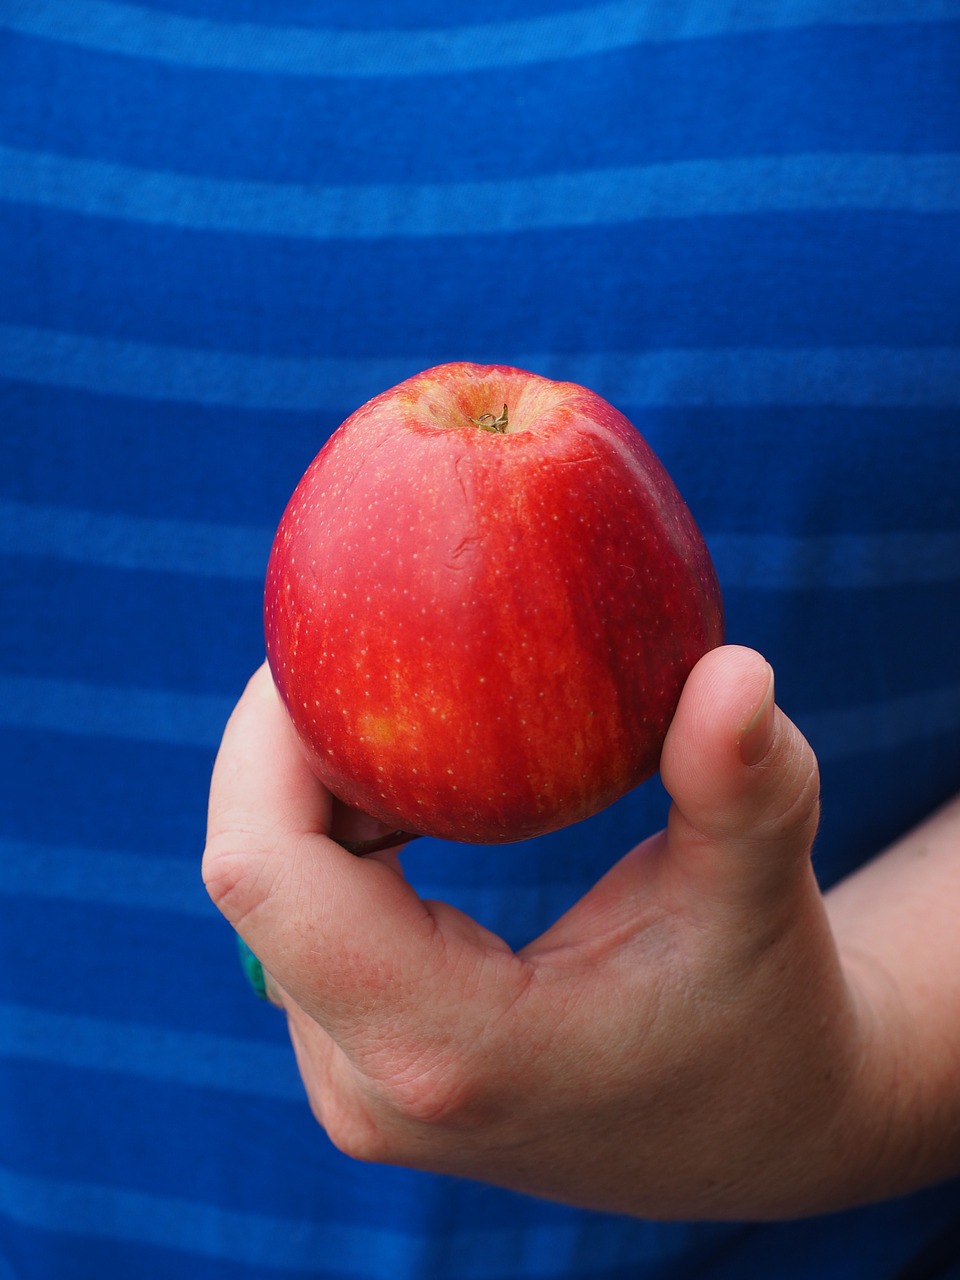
90 1210
145 371
715 376
921 183
102 710
115 801
188 1058
698 100
375 14
180 970
566 1246
571 1245
679 285
155 630
104 877
113 878
759 562
885 726
146 715
212 638
212 1154
135 32
123 542
751 562
185 460
192 462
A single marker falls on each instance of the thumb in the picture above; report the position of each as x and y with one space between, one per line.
744 784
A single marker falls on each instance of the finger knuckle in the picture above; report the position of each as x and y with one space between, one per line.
391 1122
438 1091
795 808
358 1131
234 875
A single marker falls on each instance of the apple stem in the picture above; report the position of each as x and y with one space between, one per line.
488 422
393 839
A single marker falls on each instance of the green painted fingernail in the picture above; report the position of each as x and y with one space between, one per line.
253 969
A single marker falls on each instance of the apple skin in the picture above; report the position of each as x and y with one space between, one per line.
478 634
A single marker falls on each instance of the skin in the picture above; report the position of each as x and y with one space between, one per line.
703 1035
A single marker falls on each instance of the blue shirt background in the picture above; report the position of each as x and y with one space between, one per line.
225 225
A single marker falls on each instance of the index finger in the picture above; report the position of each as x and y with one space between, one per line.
341 934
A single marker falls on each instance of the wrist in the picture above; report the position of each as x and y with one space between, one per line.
903 1110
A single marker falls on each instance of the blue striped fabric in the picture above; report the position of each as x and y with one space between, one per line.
223 225
435 45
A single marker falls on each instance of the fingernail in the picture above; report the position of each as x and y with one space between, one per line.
253 969
756 738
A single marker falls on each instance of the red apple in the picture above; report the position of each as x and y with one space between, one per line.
482 603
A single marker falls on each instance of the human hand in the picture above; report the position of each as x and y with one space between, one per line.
684 1042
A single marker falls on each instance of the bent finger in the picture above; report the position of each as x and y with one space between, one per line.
342 934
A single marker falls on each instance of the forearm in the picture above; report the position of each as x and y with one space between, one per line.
897 925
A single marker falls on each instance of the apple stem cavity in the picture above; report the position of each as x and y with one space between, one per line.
489 422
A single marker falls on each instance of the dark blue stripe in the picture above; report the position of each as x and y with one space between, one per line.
159 632
830 685
869 473
36 1251
331 1247
168 477
568 1243
306 50
693 283
82 710
111 877
189 1059
46 763
376 14
166 474
133 881
167 1023
844 562
884 726
746 561
177 686
695 99
212 1155
127 785
862 814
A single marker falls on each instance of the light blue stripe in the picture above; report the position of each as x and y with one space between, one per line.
108 366
922 183
193 1059
136 543
105 877
298 51
93 710
691 377
196 720
94 1211
750 562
